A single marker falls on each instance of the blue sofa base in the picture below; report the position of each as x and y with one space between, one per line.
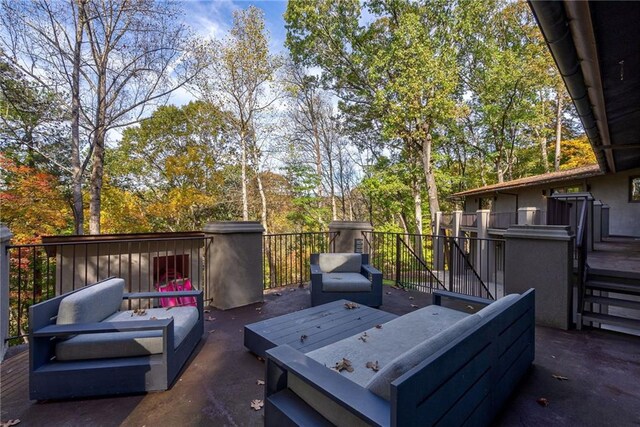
465 383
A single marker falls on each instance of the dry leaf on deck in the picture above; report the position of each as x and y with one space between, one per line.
278 294
343 365
260 358
543 401
414 306
207 311
351 305
410 298
373 366
560 377
388 293
257 404
260 382
210 319
9 423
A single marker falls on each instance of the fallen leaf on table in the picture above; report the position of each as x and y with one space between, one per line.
378 326
373 366
139 312
257 404
414 306
363 337
154 318
343 365
210 319
351 305
560 377
543 401
303 337
260 382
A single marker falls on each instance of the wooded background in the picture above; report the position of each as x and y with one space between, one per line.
378 111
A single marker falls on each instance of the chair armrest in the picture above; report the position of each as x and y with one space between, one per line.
315 269
369 269
144 295
361 402
103 327
438 294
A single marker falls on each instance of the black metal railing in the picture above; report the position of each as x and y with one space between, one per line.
38 272
426 262
502 220
583 267
469 220
286 256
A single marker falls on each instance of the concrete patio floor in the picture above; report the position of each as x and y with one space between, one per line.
220 381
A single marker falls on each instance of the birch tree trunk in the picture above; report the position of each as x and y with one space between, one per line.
556 158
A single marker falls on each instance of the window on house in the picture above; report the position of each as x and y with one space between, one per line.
634 189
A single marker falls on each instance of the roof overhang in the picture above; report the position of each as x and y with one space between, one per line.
596 48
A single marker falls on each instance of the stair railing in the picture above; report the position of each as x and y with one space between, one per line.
581 249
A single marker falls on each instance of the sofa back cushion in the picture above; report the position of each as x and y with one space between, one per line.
340 263
380 383
91 304
497 305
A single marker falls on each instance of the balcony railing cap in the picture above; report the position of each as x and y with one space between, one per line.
542 232
231 227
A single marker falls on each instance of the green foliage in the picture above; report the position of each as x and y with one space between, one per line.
173 169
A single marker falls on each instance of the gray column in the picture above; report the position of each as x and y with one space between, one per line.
528 216
605 221
350 237
438 242
482 246
597 221
456 222
234 263
541 257
5 240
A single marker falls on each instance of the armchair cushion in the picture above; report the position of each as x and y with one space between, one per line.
340 262
128 344
345 282
91 304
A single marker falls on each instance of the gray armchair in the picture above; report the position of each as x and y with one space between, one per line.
82 344
345 276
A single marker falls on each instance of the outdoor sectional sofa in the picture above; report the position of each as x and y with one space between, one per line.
437 366
82 344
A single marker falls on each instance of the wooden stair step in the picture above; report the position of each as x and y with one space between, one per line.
622 288
617 302
608 319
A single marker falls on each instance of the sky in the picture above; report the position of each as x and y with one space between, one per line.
214 18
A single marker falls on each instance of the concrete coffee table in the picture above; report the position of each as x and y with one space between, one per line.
312 328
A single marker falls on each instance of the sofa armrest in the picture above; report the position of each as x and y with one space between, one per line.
315 269
102 327
369 269
438 294
353 398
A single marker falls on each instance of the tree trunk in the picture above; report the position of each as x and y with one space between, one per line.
263 200
97 158
432 190
417 205
543 152
77 204
245 197
332 189
556 158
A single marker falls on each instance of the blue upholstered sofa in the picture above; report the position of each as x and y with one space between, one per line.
83 344
349 276
433 366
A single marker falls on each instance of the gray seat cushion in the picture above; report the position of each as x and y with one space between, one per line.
345 282
91 304
386 343
380 383
128 344
340 263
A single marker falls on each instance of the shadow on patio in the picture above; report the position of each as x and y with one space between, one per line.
219 383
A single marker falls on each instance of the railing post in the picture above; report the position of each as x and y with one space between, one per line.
452 242
397 259
349 233
482 249
5 239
